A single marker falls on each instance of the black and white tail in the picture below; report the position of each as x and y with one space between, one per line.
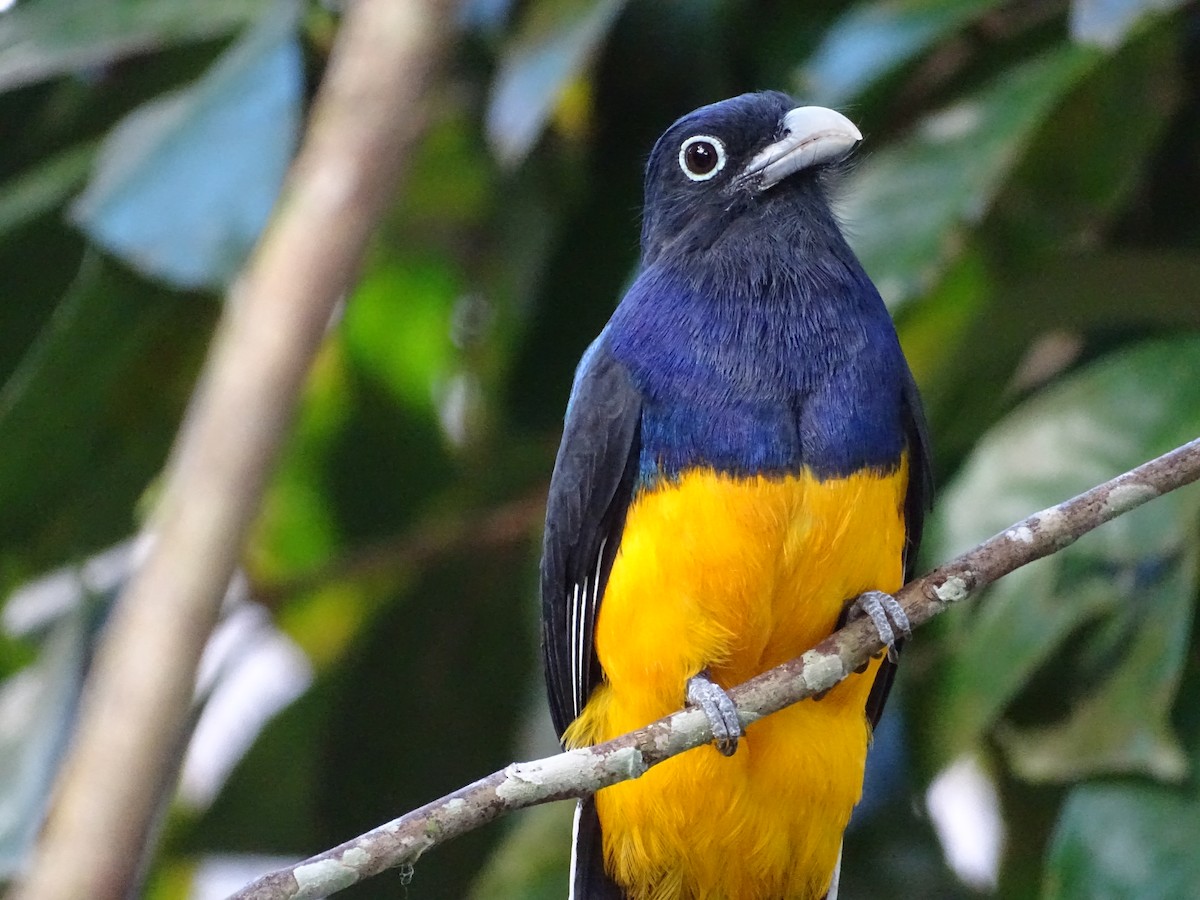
589 881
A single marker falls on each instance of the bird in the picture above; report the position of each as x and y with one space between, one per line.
744 464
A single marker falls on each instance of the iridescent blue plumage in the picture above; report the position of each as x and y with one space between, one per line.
760 377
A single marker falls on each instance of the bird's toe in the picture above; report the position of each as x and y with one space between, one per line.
720 709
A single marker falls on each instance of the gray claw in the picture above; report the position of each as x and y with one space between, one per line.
722 714
886 614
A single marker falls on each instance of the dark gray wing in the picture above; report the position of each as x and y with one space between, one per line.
590 490
916 504
920 472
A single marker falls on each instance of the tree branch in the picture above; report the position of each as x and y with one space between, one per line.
367 114
474 530
578 773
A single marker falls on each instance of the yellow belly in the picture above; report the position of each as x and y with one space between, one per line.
736 576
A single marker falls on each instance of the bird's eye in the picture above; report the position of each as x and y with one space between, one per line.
701 157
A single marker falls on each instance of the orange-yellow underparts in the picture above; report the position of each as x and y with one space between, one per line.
736 576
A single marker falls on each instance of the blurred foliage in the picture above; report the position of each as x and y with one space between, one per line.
1025 200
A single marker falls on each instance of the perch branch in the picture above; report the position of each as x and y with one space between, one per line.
578 773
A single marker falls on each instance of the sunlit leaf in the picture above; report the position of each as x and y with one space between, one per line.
873 38
185 184
1107 418
42 38
1105 23
557 39
296 529
398 327
906 204
268 805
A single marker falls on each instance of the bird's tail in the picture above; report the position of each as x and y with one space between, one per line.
589 881
832 893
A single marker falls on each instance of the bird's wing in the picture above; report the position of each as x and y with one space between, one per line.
916 504
590 491
920 472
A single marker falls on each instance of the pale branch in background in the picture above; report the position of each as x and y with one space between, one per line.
578 773
368 113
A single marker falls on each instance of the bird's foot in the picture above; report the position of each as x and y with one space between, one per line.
886 613
722 714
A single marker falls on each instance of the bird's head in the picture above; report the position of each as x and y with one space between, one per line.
737 162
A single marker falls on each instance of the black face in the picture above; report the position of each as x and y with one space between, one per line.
692 184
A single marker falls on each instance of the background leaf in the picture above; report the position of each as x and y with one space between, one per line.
871 39
185 184
1106 22
48 37
557 39
1121 840
1106 618
909 204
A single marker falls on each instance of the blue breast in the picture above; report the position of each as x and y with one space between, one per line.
806 373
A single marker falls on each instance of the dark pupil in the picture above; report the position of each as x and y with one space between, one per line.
701 158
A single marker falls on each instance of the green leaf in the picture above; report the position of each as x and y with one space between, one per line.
398 328
1122 724
86 416
1105 23
1126 839
1068 298
556 41
907 203
1043 282
45 186
41 39
872 39
185 184
1090 155
1123 594
53 399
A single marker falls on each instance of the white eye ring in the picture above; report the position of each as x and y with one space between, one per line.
715 143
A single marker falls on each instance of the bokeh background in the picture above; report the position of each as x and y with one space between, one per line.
1027 199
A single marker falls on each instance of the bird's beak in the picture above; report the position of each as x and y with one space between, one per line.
811 135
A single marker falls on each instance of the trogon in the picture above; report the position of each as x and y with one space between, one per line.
743 463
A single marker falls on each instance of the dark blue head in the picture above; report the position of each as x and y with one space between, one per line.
755 337
747 166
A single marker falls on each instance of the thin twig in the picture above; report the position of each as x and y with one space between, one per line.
579 773
368 112
430 540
